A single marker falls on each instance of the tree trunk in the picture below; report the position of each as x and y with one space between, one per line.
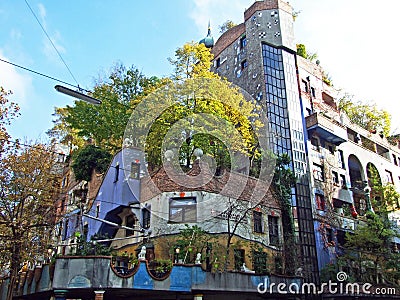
14 268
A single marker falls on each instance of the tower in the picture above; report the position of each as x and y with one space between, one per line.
259 55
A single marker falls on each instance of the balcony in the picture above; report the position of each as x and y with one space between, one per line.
342 194
78 277
326 128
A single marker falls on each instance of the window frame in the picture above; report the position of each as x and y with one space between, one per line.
258 222
184 208
273 230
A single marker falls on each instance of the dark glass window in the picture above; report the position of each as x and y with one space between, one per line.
335 177
257 221
135 170
244 64
343 183
239 258
130 221
116 174
146 214
273 229
182 210
243 42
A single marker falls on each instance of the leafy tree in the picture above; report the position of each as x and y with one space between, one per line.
228 24
188 101
192 60
284 180
8 112
367 115
88 159
29 179
368 251
105 123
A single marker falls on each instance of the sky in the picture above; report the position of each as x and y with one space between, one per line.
355 42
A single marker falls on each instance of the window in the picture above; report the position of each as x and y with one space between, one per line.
320 201
135 170
116 174
395 159
85 230
340 159
66 225
335 177
243 42
313 92
260 262
331 149
341 237
182 210
146 213
97 210
389 177
257 220
343 183
239 258
329 235
218 63
273 230
318 172
304 85
314 144
243 64
130 221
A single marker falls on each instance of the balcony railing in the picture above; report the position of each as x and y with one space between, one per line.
327 128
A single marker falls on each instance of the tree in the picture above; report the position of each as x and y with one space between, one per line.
368 251
88 159
105 123
367 115
192 60
202 111
8 112
29 179
228 24
284 180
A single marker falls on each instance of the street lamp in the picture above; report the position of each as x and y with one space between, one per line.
76 94
367 193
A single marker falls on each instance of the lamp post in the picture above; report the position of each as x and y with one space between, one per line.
76 94
367 194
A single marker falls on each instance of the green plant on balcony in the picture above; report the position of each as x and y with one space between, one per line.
160 268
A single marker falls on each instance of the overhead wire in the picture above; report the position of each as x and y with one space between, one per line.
48 37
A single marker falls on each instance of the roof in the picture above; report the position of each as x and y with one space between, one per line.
200 178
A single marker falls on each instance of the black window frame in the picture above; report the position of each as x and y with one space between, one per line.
146 217
258 222
273 230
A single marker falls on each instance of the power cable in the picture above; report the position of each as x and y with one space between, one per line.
48 37
44 75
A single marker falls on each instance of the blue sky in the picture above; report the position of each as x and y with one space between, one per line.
355 43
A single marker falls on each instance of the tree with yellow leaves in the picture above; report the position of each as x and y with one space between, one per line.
29 181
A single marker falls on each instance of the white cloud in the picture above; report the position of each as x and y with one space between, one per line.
356 44
19 84
217 12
